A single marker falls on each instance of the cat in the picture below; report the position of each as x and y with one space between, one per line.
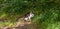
27 16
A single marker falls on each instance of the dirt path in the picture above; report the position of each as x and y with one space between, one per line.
24 25
21 25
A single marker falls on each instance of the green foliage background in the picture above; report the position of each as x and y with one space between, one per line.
47 12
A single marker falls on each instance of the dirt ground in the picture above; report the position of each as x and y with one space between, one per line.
20 25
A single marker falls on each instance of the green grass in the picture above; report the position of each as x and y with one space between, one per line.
41 21
47 12
6 24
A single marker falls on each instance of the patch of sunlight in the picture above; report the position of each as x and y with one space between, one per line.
25 1
10 24
3 15
6 23
54 26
